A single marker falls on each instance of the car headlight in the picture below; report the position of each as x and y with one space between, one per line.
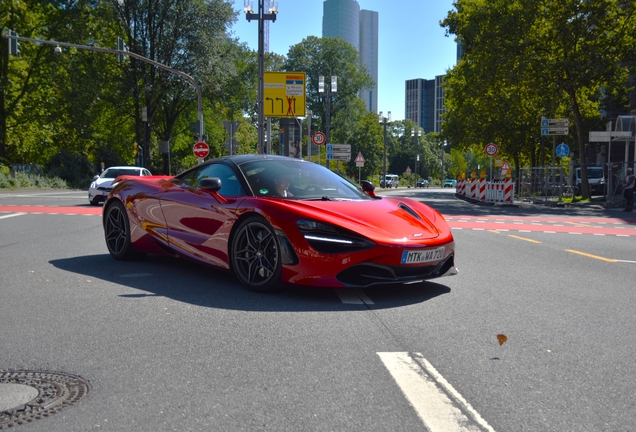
93 185
327 238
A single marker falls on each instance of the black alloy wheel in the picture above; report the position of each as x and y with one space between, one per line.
256 255
117 232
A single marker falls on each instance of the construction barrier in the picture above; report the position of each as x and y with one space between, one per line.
482 189
498 193
502 193
473 189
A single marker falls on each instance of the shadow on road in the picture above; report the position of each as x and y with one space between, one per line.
195 284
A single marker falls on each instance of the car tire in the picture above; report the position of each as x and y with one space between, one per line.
117 233
94 202
255 255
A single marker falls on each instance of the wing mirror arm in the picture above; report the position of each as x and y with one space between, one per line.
212 185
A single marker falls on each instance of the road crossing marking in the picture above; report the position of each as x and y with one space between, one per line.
12 215
350 296
440 407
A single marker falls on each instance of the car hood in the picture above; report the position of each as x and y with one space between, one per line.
387 219
104 182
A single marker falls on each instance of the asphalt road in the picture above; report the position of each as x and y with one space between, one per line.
169 345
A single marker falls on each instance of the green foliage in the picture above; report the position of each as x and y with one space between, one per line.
29 181
528 58
73 168
329 57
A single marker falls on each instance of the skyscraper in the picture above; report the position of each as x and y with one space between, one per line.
341 19
369 55
425 103
344 19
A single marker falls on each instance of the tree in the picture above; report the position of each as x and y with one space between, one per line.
189 36
329 57
527 58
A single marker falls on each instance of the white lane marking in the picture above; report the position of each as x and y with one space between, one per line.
11 215
440 407
353 297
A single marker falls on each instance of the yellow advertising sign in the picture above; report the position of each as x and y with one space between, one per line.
284 94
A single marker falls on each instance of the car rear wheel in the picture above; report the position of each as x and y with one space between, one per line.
117 233
255 255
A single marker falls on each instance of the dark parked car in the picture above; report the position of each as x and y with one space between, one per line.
422 183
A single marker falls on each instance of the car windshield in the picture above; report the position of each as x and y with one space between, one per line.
594 174
296 179
115 172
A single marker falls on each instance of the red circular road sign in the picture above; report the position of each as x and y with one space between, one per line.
201 150
319 138
491 149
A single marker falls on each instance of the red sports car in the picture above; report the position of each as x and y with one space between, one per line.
273 220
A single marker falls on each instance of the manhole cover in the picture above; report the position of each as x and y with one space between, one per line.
54 391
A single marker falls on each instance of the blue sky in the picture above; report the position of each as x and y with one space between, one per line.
411 42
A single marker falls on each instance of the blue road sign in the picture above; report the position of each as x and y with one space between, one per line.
562 150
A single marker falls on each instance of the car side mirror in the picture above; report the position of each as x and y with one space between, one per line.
368 187
96 177
212 184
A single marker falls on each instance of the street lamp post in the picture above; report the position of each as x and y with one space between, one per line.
333 88
417 156
442 145
384 121
261 17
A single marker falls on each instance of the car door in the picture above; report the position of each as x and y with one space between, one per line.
199 221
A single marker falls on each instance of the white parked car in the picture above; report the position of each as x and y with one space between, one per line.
103 184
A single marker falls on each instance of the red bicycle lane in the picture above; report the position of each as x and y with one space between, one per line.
547 224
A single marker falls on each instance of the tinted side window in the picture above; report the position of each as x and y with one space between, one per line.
229 183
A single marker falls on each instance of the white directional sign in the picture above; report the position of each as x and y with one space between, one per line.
554 122
339 148
555 130
338 156
604 136
339 152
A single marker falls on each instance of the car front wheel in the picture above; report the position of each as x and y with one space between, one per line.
256 255
117 233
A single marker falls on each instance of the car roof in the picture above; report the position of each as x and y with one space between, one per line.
125 167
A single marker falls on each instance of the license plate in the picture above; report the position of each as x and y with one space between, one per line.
422 256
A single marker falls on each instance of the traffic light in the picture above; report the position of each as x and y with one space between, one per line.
14 45
121 46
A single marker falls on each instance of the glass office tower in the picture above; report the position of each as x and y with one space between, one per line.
341 19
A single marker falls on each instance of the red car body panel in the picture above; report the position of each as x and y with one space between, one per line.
167 218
